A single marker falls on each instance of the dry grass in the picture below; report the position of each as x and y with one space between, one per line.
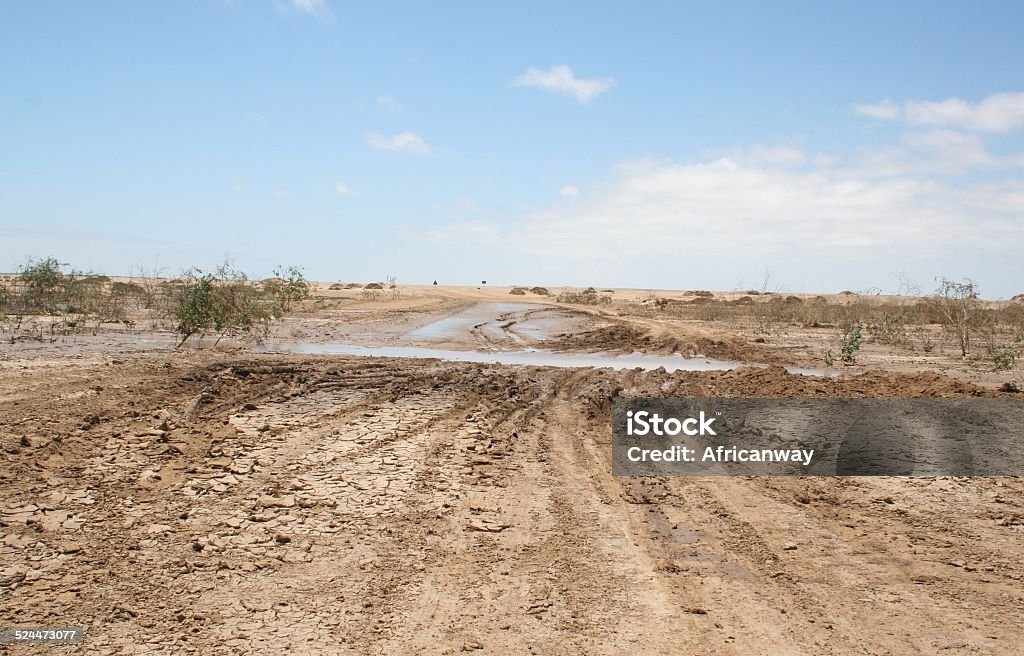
913 323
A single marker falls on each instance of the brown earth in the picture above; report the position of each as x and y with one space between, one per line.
236 502
631 337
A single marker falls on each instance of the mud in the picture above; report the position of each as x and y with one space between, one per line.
206 502
532 357
618 337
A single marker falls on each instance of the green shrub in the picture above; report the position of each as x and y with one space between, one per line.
42 282
1003 359
288 286
223 303
849 343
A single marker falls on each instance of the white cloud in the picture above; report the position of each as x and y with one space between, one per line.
404 142
343 189
936 201
310 6
999 112
933 152
389 104
658 209
569 191
561 79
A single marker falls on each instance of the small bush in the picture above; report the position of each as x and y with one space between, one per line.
289 286
1003 359
588 296
849 343
957 302
224 303
43 282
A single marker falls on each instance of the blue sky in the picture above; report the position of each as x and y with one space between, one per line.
655 144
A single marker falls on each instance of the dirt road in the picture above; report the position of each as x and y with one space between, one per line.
243 503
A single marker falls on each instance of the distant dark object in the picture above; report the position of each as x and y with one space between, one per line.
374 285
483 282
540 291
435 283
518 291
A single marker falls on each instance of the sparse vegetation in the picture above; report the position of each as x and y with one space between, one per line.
224 303
50 290
849 343
146 286
393 291
953 317
766 313
287 287
958 303
50 298
588 296
1003 359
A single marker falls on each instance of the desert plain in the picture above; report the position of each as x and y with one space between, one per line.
337 489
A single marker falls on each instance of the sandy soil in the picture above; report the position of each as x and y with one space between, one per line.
240 502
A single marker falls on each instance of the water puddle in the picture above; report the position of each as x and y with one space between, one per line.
539 329
531 357
493 321
493 328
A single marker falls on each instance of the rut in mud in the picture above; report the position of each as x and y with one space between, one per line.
345 505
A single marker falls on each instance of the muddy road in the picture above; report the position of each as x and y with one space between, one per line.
255 504
241 502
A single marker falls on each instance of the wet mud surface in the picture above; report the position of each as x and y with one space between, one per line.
233 501
215 503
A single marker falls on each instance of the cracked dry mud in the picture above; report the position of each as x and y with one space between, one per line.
219 504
